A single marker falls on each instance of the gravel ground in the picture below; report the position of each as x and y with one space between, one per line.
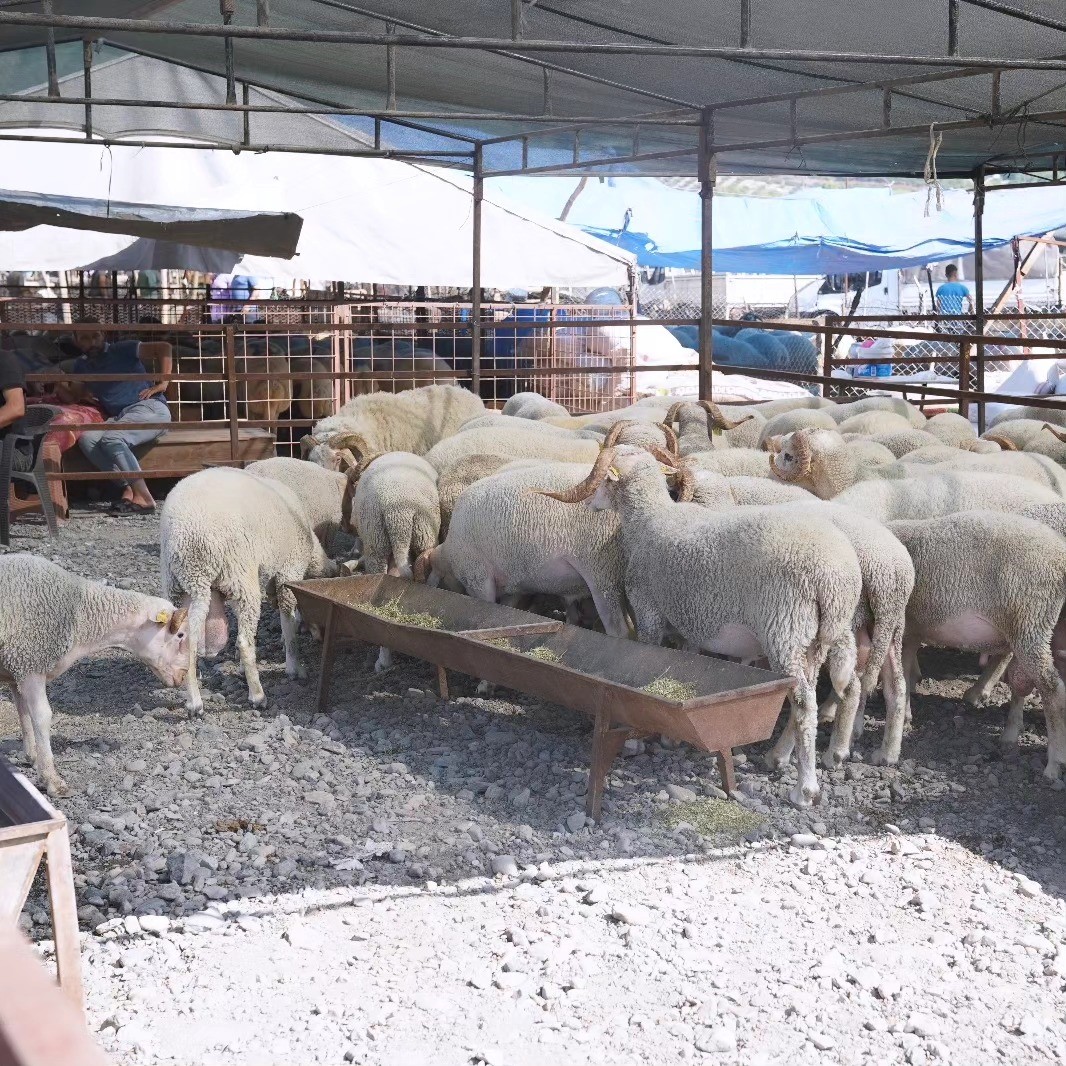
404 882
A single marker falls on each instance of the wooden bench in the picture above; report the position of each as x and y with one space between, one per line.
184 450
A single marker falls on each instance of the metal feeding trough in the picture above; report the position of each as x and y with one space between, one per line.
628 689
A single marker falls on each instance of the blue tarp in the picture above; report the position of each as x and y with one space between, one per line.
823 231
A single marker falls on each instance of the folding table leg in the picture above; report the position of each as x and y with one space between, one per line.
725 770
325 670
607 742
64 907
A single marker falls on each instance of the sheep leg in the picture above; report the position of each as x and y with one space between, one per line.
483 587
1021 684
287 610
199 609
650 621
779 755
868 672
376 565
842 662
994 669
1038 662
895 685
248 607
805 726
29 744
34 693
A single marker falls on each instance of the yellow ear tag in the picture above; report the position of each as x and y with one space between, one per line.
162 617
612 473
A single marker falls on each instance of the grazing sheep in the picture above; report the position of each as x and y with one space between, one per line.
748 583
732 462
411 421
458 477
1006 594
51 619
517 443
224 532
505 539
534 406
719 493
321 491
492 420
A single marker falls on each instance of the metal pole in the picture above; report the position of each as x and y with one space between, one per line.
50 53
229 356
87 85
246 137
229 9
475 295
953 27
745 23
979 285
390 73
632 332
707 179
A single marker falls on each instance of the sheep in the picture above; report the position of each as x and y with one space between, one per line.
872 423
887 579
790 421
321 491
705 425
506 540
411 421
221 533
1018 434
517 443
871 453
1055 415
458 477
532 405
824 463
391 501
1005 595
952 428
1049 440
843 411
52 618
749 583
943 492
732 462
493 420
903 442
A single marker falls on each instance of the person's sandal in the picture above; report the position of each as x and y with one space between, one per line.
129 507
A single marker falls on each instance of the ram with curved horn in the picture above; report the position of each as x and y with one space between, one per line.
642 434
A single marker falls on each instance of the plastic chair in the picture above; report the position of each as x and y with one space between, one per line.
30 429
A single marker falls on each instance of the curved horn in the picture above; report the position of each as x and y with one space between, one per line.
347 499
664 457
617 429
363 463
346 457
772 444
307 442
1057 433
177 619
674 413
673 445
423 566
686 483
353 441
717 418
1008 445
588 487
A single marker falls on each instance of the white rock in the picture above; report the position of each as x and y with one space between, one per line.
1028 888
822 1041
924 1025
575 821
300 935
154 923
719 1041
505 865
631 914
805 840
204 922
680 794
131 924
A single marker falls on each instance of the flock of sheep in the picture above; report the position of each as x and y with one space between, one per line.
803 533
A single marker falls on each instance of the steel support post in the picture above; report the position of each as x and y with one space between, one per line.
707 176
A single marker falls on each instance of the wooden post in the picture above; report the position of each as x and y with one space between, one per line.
828 361
707 173
632 333
325 672
229 357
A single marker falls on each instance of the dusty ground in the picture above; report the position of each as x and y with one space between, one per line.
404 882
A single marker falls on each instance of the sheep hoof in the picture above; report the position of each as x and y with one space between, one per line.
833 760
296 672
57 787
773 761
881 758
1051 771
195 708
804 797
258 701
484 688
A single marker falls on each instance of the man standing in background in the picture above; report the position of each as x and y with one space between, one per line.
953 298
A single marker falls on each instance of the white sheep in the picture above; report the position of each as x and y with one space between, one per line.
791 421
704 426
874 423
732 462
1004 592
718 493
747 583
411 421
952 428
321 491
517 443
895 404
223 532
532 405
51 619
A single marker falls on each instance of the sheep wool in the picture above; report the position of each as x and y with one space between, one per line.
49 611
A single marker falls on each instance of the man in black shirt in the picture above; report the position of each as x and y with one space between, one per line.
13 390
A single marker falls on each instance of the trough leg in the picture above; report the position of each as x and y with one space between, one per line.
607 742
64 907
442 683
725 770
325 670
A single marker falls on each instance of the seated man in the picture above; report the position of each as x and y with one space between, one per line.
123 401
13 391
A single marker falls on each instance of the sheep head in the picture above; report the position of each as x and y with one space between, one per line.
1004 444
1057 433
791 460
604 469
717 420
623 426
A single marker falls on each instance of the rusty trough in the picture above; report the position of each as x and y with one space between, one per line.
727 704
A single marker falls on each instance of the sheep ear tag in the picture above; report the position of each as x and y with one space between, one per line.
612 473
716 431
162 617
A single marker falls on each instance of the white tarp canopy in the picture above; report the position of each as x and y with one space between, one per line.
366 220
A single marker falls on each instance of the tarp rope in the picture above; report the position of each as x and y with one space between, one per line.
931 180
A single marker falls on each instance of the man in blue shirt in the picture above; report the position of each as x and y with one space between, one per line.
123 401
953 298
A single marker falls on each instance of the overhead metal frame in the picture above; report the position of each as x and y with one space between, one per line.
705 152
